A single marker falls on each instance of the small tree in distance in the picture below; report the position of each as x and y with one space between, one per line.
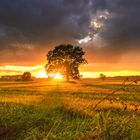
102 76
26 76
65 59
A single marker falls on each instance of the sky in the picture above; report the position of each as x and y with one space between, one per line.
107 30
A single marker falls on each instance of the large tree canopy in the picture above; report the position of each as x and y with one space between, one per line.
65 59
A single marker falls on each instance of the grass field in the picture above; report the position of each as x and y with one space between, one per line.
84 110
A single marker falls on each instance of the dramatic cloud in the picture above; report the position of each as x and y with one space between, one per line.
105 28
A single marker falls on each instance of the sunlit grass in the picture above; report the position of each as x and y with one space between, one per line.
23 99
60 110
87 105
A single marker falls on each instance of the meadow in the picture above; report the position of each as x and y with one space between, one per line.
83 110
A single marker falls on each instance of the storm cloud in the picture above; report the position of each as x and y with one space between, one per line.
28 28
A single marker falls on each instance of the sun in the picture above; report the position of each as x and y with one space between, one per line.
58 76
41 74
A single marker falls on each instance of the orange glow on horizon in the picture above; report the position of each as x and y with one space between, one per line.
39 72
110 74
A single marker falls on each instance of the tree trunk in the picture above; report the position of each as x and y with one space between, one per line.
67 72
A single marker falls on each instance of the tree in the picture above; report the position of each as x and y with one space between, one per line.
65 59
102 76
26 76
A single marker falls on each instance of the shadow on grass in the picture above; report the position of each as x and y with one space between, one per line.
38 122
21 121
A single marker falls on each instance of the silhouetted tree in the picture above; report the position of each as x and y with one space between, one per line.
102 76
26 76
65 59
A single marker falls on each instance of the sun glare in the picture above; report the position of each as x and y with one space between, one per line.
58 76
41 74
